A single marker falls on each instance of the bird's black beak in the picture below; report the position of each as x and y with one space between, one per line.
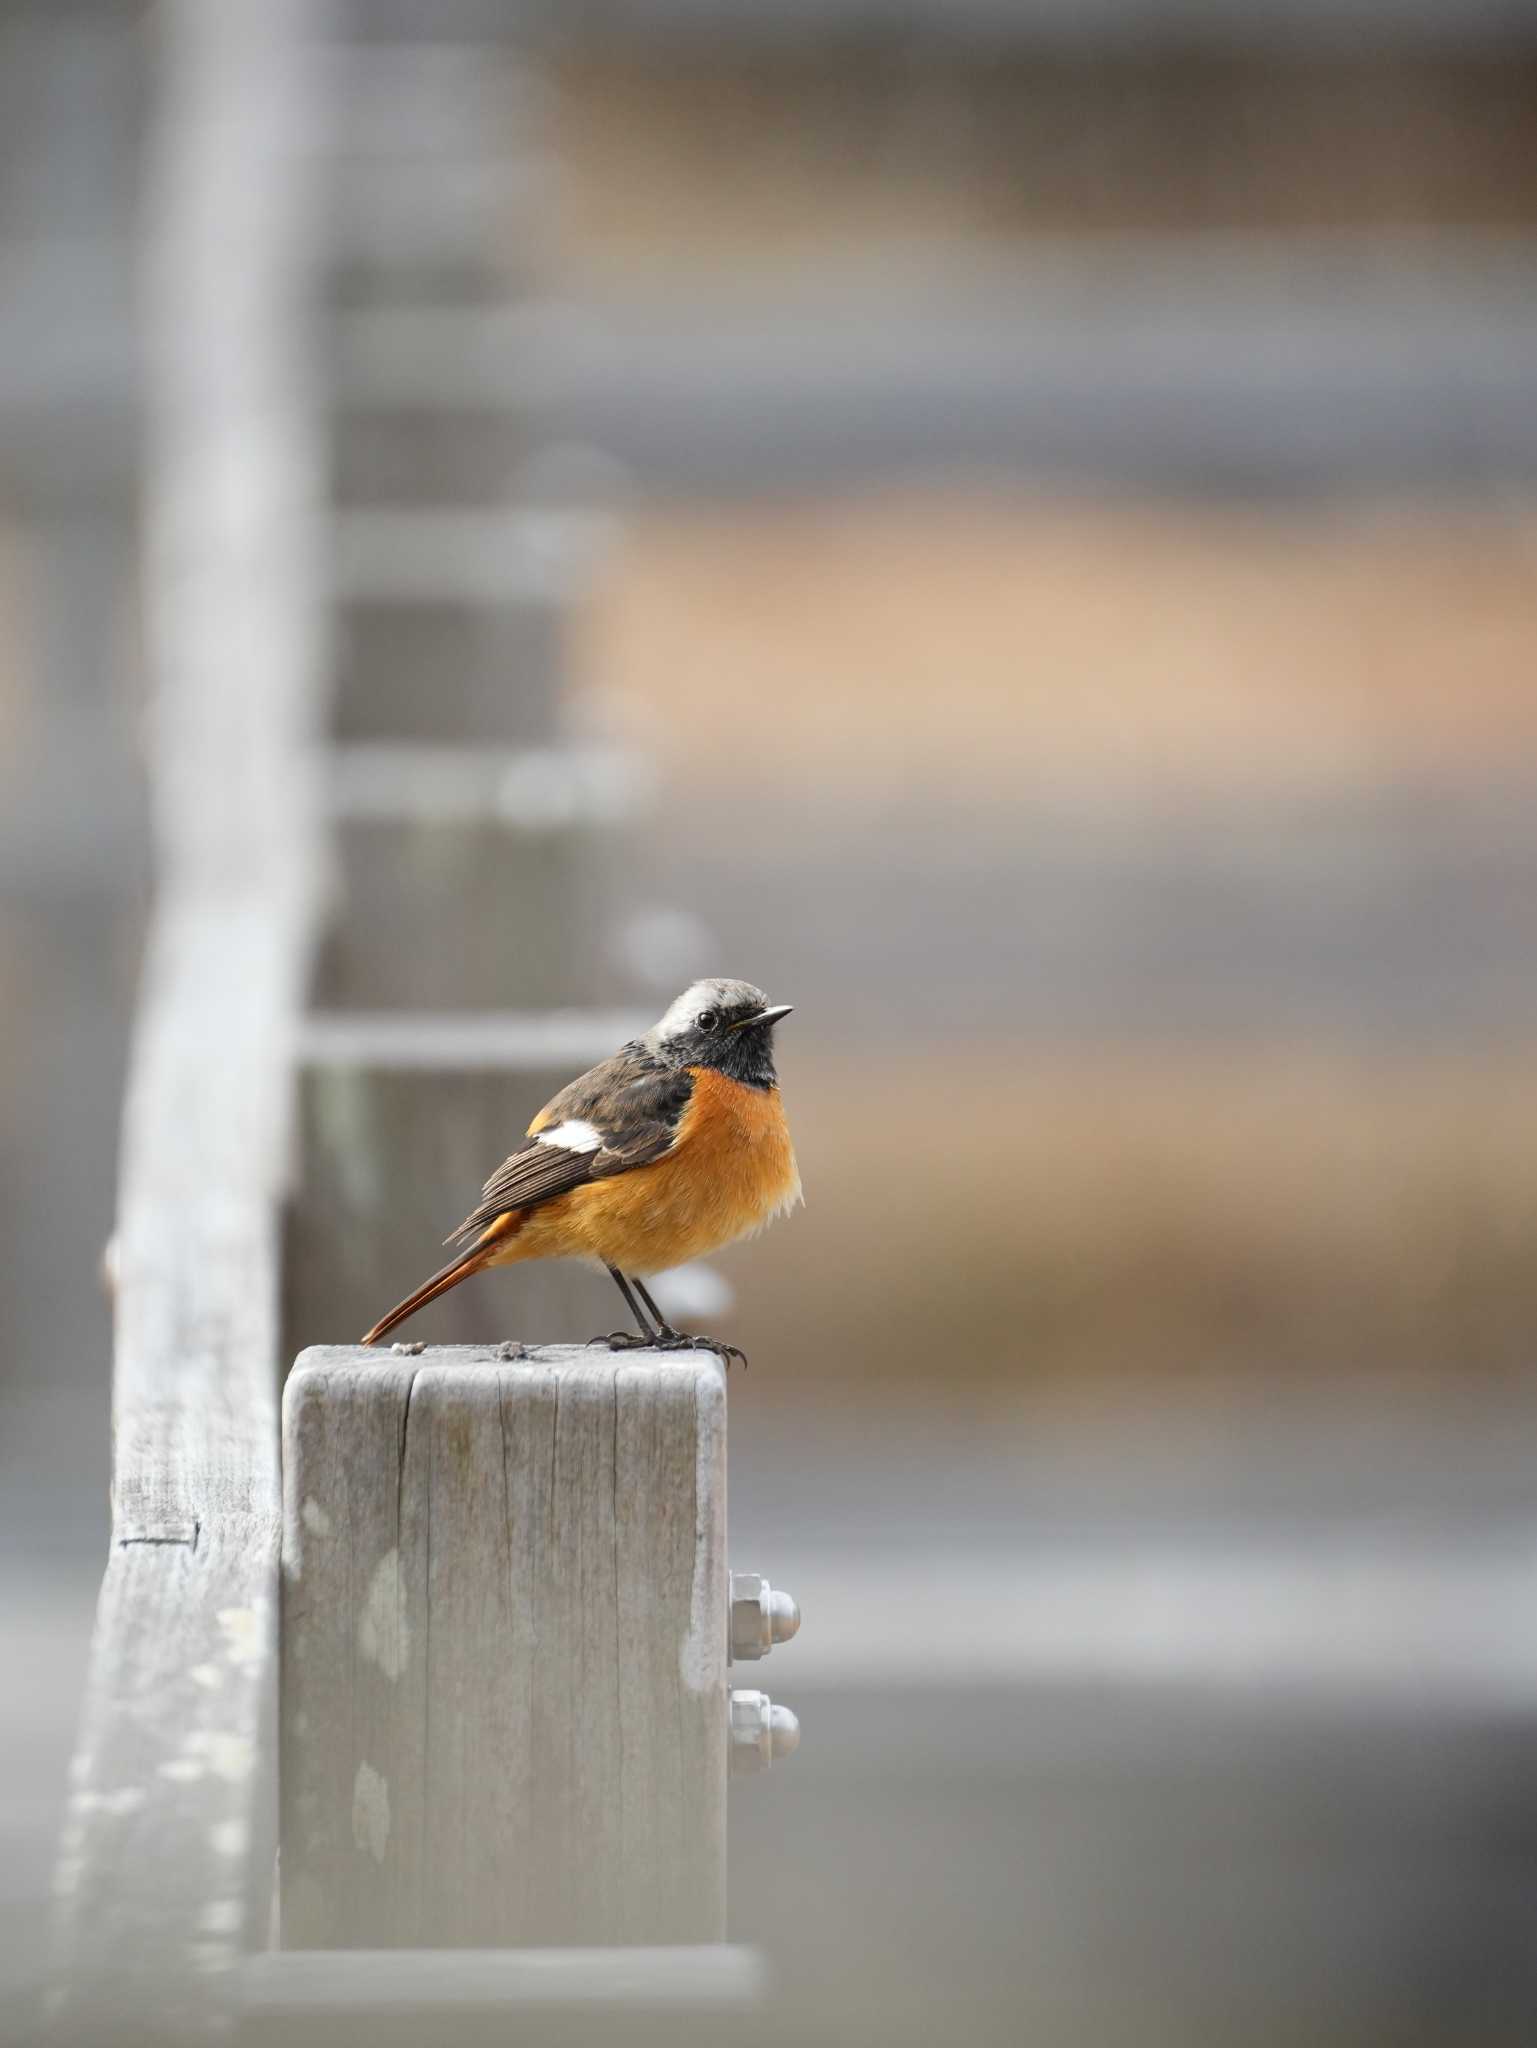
771 1015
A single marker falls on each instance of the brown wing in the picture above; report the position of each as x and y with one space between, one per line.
632 1101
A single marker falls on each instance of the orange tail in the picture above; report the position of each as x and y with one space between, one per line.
446 1277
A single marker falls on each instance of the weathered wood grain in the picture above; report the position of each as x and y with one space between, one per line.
504 1658
165 1867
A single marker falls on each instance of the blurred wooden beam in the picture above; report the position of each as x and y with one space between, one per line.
519 1040
1221 363
1214 362
664 25
402 555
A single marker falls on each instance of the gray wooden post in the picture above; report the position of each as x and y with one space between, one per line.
454 626
439 178
477 902
473 871
504 1649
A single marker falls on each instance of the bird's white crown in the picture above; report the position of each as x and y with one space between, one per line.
682 1016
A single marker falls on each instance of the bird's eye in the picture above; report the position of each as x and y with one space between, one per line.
707 1020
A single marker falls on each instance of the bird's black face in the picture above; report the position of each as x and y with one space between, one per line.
731 1031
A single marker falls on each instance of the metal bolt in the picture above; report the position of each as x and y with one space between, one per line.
760 1617
761 1733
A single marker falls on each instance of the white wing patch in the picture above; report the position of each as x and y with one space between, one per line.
574 1135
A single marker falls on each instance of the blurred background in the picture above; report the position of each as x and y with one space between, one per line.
1010 526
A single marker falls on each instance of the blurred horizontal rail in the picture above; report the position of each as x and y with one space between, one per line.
1221 360
1091 25
1218 362
665 26
531 789
514 1039
1353 1618
391 556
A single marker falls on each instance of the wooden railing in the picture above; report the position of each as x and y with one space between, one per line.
475 1616
165 1872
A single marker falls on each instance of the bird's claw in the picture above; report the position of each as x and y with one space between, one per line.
676 1340
667 1339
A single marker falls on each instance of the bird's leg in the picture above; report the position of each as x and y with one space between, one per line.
663 1327
627 1340
669 1339
664 1337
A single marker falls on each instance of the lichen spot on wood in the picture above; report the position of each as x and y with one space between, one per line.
370 1812
243 1632
315 1518
127 1799
383 1638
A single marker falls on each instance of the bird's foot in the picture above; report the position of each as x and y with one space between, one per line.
668 1339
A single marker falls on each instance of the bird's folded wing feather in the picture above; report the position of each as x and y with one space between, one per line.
622 1114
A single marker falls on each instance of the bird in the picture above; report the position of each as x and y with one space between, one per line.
669 1150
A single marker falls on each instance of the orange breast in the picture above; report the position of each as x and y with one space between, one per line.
731 1170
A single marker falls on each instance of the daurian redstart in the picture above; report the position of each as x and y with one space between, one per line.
669 1150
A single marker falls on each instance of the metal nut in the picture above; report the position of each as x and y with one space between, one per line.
761 1733
760 1617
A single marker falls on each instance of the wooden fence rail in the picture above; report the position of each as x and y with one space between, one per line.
165 1871
504 1631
